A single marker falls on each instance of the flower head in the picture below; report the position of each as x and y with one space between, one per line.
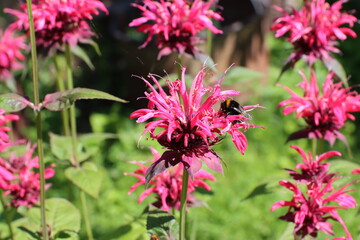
167 185
187 126
10 52
59 22
326 113
19 180
176 23
310 209
314 29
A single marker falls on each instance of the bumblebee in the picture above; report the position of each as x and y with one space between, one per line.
231 107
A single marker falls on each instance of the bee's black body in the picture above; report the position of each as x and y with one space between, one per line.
231 107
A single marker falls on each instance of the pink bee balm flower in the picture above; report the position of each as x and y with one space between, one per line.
313 171
10 52
59 22
314 29
187 126
311 210
326 113
20 181
176 23
4 137
167 185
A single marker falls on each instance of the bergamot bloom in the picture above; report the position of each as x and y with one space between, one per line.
187 123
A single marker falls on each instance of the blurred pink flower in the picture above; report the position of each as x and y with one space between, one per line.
187 125
10 52
4 137
326 113
176 23
19 180
310 210
314 29
167 186
59 22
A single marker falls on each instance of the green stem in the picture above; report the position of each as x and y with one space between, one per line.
8 217
70 85
183 204
86 215
61 87
35 77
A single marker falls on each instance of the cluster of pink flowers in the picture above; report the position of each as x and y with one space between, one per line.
314 29
59 22
176 23
167 186
326 113
19 180
17 176
11 57
310 210
187 126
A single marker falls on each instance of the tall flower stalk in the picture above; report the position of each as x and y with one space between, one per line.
35 77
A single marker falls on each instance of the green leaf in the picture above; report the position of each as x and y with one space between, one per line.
79 52
162 224
87 145
61 146
12 102
335 66
61 216
61 100
88 178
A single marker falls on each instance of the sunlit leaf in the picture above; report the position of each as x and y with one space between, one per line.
61 100
12 102
87 177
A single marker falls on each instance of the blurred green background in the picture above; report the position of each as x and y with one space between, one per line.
238 207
